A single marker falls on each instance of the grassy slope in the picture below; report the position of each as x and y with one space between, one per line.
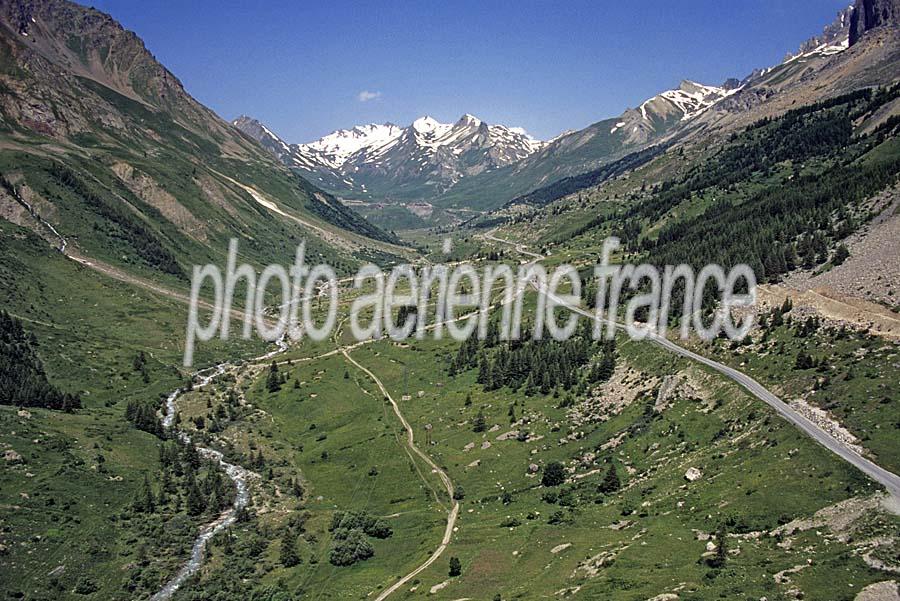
184 158
858 386
758 473
59 507
90 328
865 404
488 550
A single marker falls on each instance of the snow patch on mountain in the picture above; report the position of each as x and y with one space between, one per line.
334 149
686 102
835 38
821 50
426 153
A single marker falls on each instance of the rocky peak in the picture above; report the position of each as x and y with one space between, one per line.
247 124
91 44
691 87
833 34
869 14
262 134
468 120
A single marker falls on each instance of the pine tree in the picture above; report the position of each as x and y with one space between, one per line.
804 361
196 504
479 424
787 306
545 382
227 544
530 388
289 556
777 319
273 381
611 482
455 567
840 255
721 556
144 502
554 474
483 370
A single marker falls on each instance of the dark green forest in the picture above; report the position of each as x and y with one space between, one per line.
536 365
785 225
23 381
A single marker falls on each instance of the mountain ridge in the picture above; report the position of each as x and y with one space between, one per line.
106 144
826 65
426 155
394 173
391 167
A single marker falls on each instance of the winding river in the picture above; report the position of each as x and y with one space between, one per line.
238 475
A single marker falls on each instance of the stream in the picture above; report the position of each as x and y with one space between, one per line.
238 475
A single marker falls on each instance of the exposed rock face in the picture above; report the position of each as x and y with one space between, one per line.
880 591
869 14
834 34
416 161
65 55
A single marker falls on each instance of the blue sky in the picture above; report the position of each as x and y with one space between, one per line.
302 67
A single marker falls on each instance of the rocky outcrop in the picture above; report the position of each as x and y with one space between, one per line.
10 456
834 34
880 591
869 14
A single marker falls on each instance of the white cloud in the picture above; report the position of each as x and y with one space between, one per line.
366 96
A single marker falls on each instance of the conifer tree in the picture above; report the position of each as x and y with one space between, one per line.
288 556
479 424
610 481
144 502
455 567
196 504
273 381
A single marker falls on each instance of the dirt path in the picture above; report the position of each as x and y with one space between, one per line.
833 305
452 515
105 268
334 237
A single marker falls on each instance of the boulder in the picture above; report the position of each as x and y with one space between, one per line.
10 456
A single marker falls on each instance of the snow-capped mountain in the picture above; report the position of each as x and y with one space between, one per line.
692 98
334 149
417 161
471 164
656 115
575 152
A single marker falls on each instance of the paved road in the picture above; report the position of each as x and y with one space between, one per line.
889 480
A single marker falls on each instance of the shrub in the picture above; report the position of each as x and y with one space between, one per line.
351 548
554 474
